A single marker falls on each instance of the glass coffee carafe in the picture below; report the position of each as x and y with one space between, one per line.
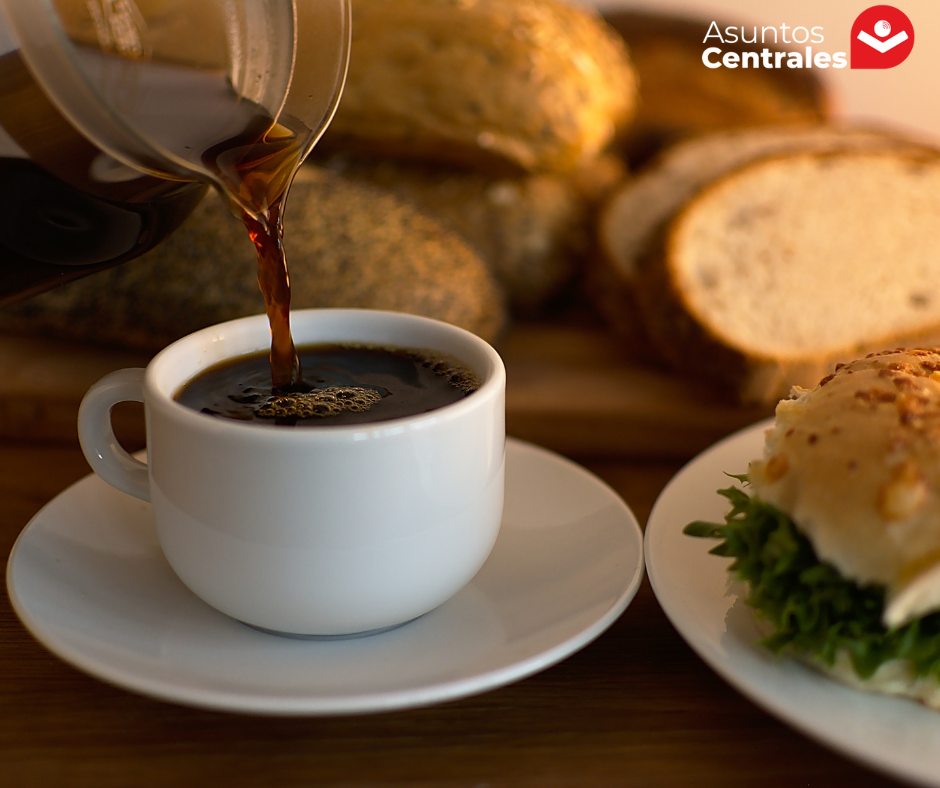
115 115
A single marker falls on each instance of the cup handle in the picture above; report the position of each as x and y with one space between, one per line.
105 455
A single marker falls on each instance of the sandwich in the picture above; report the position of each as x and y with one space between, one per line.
836 531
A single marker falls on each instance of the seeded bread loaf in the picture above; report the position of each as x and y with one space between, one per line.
789 264
347 245
531 85
532 230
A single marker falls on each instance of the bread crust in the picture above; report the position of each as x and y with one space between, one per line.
632 220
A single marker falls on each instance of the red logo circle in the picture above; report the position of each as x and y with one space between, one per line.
882 37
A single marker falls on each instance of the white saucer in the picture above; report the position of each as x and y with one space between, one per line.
706 606
88 579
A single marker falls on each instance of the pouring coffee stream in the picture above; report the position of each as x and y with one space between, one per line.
255 179
273 278
233 94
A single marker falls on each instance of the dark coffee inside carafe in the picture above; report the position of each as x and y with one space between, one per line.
66 208
86 216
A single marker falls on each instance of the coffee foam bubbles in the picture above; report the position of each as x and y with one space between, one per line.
330 401
460 377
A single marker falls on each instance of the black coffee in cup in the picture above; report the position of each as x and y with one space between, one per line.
342 384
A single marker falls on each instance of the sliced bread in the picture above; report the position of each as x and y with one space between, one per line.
633 218
790 264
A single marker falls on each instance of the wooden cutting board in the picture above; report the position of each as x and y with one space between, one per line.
570 388
574 389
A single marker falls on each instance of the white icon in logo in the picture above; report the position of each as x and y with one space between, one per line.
882 28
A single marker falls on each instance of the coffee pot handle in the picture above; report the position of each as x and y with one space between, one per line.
105 455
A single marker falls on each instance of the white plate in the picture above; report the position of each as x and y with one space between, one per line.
88 579
893 735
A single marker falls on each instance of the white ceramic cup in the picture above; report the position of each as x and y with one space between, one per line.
321 531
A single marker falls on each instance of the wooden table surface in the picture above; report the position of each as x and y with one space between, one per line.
635 707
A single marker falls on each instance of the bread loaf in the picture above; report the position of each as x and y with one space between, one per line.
679 98
347 245
532 230
530 85
787 265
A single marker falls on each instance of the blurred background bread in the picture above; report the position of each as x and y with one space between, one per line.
635 216
497 118
680 98
780 268
533 230
349 245
494 160
461 173
530 85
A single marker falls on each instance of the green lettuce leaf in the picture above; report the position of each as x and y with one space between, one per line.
813 609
